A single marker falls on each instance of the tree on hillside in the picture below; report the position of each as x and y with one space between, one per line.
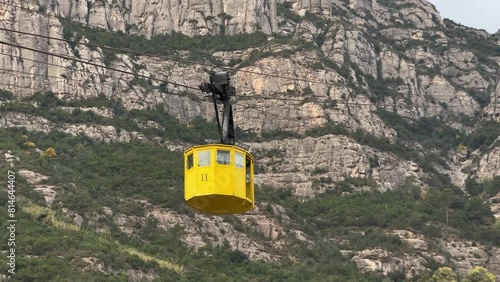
30 144
444 274
447 198
479 274
49 153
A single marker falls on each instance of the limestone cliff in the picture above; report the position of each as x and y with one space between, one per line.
150 18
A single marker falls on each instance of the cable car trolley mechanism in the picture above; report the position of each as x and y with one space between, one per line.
219 178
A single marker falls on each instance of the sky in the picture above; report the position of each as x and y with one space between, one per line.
481 14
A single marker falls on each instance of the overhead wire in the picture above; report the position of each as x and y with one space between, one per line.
253 97
315 99
190 62
163 81
199 63
113 83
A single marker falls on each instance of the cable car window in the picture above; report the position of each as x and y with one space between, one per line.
223 157
203 158
190 161
238 160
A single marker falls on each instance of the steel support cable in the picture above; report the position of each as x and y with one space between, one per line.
127 72
243 97
375 90
248 88
177 84
112 83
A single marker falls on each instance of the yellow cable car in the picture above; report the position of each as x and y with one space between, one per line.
219 178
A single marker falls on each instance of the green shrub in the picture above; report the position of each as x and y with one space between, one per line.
6 95
484 135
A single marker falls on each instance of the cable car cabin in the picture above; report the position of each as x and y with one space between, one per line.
219 179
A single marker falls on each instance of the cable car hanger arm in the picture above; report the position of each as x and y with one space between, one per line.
221 90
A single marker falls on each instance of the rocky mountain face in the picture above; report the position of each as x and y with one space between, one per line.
330 94
150 18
